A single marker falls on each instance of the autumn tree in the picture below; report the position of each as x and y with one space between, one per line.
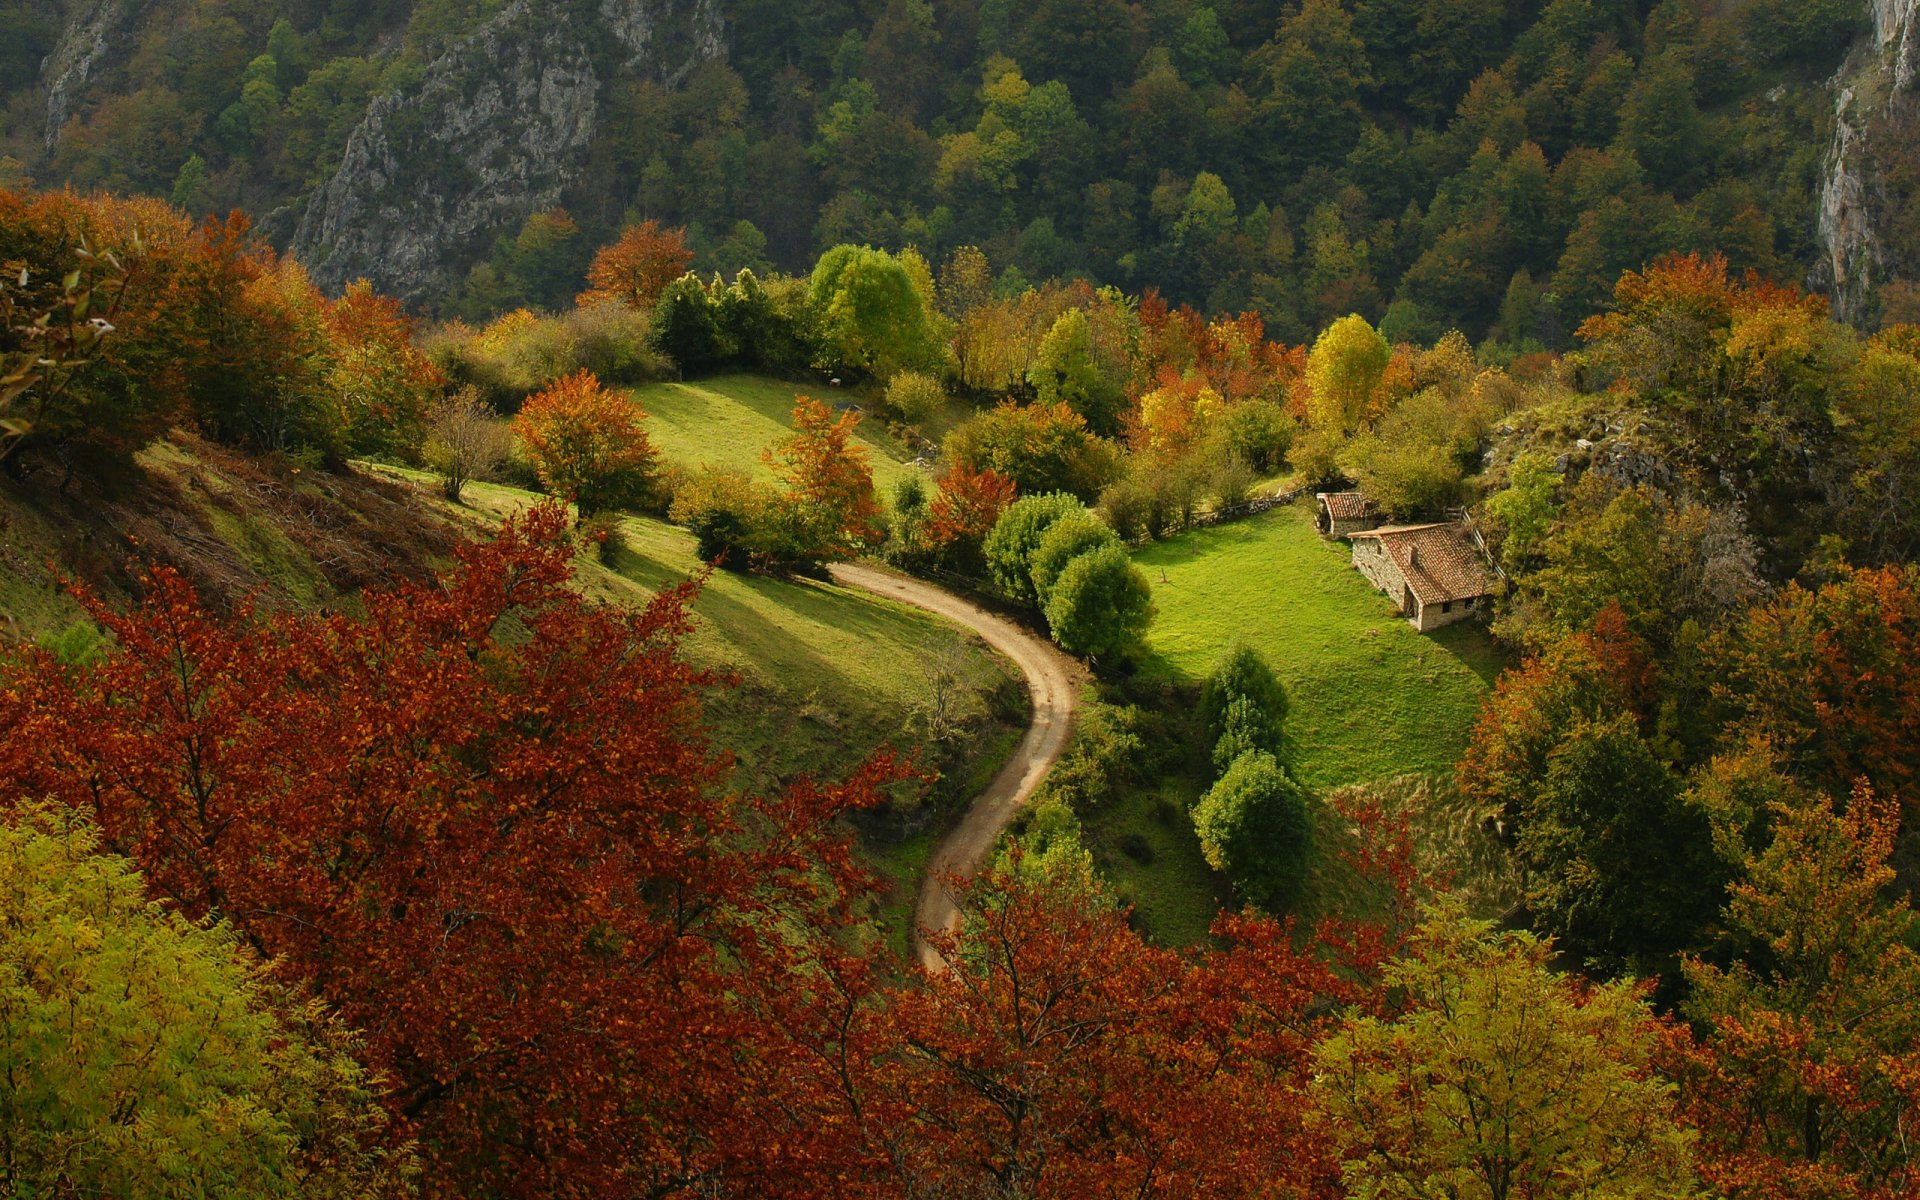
1060 1054
380 380
148 1056
829 505
465 441
589 445
1807 1077
1821 674
637 267
1042 448
1499 1078
1343 371
481 820
967 507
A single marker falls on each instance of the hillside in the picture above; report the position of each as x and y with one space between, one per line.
825 675
730 420
1492 165
1372 699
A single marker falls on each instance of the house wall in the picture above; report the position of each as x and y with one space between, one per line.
1432 616
1380 569
1346 529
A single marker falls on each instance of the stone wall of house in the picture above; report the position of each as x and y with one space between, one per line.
1435 616
1378 566
1346 529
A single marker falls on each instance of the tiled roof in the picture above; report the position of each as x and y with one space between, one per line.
1348 506
1440 562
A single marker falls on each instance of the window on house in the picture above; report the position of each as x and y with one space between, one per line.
1447 607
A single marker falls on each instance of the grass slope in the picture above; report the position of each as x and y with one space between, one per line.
825 674
1372 698
726 421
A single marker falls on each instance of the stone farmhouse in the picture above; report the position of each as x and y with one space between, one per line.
1343 514
1435 573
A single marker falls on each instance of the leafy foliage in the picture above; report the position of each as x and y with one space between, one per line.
588 444
1255 829
148 1056
481 821
1499 1077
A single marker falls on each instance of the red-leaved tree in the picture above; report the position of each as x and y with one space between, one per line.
482 821
968 504
1063 1056
638 267
588 445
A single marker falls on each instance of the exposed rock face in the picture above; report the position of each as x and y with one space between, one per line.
85 44
496 129
1875 142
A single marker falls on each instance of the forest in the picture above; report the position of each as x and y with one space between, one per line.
1489 165
428 757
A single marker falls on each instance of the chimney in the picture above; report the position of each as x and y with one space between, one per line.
1413 556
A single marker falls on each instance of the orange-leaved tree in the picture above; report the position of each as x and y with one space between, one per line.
1062 1055
381 382
1807 1080
829 509
968 504
638 267
482 821
589 445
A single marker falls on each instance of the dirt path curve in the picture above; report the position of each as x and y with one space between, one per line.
1053 679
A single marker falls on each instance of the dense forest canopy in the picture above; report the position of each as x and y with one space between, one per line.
1488 164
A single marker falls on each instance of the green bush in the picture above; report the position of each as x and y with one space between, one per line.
1245 705
1255 829
1065 540
1112 747
914 397
1010 546
1101 603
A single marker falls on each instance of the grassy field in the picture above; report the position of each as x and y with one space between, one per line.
1372 698
823 677
824 674
726 421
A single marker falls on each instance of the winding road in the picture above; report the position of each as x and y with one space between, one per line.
1053 680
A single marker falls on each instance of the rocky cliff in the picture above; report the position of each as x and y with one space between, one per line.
1868 218
496 128
87 40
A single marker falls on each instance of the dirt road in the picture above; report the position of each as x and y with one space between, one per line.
1053 679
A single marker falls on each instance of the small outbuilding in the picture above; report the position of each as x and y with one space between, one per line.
1435 573
1343 514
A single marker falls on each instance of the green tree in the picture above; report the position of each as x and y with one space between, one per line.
1618 866
1066 370
874 315
686 326
1311 74
1500 1079
1244 706
1101 603
1065 540
1010 547
1343 369
1255 829
149 1057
